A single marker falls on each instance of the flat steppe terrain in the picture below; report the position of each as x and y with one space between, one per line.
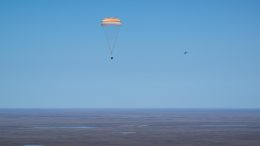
129 127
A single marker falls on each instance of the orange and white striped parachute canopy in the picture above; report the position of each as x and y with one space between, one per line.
111 21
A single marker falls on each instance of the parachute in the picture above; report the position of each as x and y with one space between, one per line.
111 27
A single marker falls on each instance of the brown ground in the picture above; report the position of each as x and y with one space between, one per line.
129 127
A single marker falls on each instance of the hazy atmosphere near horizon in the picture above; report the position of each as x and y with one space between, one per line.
53 54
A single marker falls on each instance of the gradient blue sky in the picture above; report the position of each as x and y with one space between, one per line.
53 54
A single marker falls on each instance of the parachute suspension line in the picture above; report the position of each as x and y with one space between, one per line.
111 42
107 39
115 41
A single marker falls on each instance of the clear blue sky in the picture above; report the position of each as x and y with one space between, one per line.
53 54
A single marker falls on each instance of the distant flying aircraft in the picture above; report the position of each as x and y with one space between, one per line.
111 26
185 52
